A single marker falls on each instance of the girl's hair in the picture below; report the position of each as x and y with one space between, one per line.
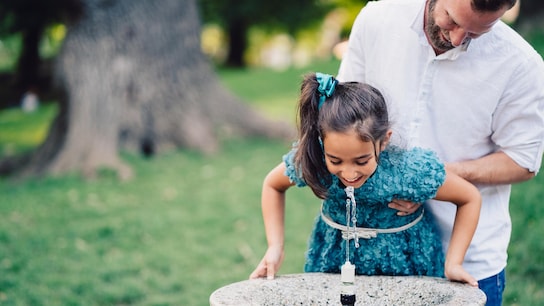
351 106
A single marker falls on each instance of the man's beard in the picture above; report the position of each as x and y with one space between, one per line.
433 31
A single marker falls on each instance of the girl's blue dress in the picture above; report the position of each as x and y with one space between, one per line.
414 175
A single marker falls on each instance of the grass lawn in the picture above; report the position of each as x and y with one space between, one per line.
187 224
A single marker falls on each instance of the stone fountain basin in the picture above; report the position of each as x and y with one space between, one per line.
324 289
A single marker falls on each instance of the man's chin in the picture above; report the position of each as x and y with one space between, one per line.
442 47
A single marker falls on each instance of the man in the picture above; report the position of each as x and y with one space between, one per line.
463 83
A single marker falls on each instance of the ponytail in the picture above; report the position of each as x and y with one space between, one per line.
315 90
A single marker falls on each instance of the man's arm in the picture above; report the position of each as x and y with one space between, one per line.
496 168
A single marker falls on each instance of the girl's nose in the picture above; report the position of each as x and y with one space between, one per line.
350 173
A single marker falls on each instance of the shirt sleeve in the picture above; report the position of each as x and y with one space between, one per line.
352 66
518 122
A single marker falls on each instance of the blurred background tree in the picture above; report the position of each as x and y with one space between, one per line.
134 78
36 23
29 19
531 16
237 17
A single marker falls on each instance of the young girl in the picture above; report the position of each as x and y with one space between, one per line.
344 132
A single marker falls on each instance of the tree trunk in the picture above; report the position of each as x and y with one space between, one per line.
29 61
135 79
237 32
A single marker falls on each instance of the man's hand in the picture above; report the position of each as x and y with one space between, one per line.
404 208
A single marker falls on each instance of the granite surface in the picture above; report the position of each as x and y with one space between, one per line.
324 289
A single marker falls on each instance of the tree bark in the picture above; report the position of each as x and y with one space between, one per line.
29 62
135 79
237 32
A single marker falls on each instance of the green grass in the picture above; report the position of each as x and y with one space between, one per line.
20 131
275 94
187 224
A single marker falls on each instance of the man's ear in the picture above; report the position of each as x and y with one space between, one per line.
385 140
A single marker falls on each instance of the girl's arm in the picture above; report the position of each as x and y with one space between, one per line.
468 200
273 206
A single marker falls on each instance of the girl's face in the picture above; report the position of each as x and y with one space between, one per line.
352 160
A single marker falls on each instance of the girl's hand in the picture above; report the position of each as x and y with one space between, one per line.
270 264
458 273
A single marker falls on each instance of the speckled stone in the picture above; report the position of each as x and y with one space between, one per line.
324 289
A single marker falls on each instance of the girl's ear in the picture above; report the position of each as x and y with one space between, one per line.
385 140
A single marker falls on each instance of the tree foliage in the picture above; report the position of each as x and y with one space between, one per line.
238 16
531 7
135 79
284 14
531 16
30 18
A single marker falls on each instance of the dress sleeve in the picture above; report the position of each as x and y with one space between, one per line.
290 170
423 175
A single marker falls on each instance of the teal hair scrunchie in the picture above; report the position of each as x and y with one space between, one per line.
327 84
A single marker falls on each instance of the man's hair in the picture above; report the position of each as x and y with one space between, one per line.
491 5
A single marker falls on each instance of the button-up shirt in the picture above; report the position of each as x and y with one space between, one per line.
484 96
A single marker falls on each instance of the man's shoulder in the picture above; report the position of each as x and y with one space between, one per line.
395 4
393 10
505 43
513 39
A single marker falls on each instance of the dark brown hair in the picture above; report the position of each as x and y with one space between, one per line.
491 5
352 105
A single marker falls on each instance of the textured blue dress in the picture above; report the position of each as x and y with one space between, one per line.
414 175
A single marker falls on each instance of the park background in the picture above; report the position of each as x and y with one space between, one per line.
187 222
